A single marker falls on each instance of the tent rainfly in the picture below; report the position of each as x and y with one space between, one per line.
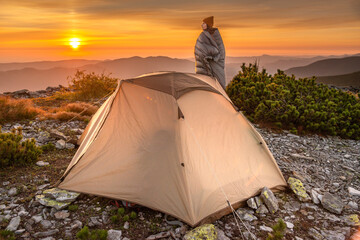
173 142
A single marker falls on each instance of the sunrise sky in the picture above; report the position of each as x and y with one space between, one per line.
107 29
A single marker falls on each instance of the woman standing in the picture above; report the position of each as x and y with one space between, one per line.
210 52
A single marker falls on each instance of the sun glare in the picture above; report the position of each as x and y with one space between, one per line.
74 42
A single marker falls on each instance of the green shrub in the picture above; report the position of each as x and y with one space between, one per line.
73 208
114 219
133 215
86 234
121 211
88 86
7 235
300 105
278 231
14 151
48 147
126 218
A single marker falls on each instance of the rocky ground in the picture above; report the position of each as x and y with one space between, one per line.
328 167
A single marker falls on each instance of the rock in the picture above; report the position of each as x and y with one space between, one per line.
6 183
269 199
159 236
41 187
69 146
246 214
258 201
126 225
41 163
265 228
20 231
354 192
298 188
61 195
61 215
46 224
114 234
51 202
289 225
332 203
76 224
46 234
48 238
332 235
353 205
12 192
94 221
61 144
37 218
352 220
262 210
314 196
54 133
221 235
14 224
206 231
314 234
251 203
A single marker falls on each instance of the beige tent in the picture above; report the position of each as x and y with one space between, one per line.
173 142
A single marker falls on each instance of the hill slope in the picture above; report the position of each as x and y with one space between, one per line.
328 67
352 79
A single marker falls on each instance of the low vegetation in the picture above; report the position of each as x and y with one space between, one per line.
17 109
88 86
300 105
86 234
278 231
14 151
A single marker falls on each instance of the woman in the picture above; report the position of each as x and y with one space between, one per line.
210 52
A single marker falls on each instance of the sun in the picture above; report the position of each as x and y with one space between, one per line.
74 43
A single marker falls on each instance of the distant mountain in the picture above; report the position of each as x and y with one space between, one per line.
33 79
346 80
46 64
36 79
39 75
328 67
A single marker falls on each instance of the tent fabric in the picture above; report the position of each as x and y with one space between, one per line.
138 149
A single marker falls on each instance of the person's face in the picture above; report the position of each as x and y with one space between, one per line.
204 26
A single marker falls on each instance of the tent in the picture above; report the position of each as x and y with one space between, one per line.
173 142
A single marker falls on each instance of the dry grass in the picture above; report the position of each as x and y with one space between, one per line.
78 111
17 109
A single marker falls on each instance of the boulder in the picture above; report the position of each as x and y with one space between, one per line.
206 231
298 188
332 203
262 209
61 195
269 199
48 202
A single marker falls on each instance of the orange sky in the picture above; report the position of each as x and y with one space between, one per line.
108 29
